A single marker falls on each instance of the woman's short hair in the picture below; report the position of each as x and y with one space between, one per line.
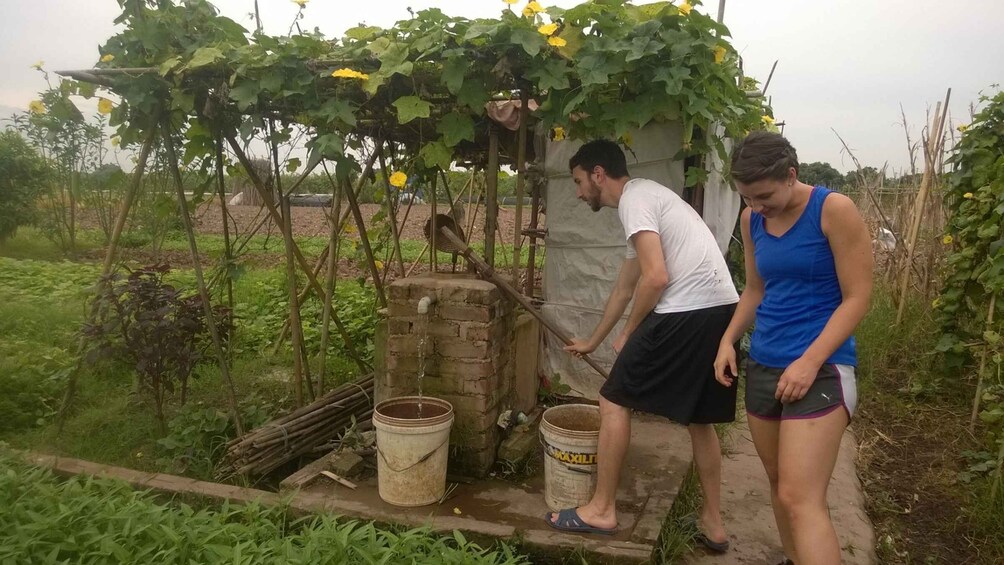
763 155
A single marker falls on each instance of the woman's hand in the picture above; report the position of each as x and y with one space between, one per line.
725 365
796 380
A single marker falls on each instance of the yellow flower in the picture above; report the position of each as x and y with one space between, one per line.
967 195
532 8
38 66
719 54
558 133
300 3
105 106
379 264
108 58
685 8
548 29
36 107
556 42
768 120
510 2
116 141
349 73
935 303
398 179
947 240
962 128
350 228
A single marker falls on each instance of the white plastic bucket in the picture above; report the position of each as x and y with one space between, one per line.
412 449
569 434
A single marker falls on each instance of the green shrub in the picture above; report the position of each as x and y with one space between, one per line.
23 177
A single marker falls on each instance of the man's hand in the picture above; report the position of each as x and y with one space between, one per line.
619 342
580 347
796 380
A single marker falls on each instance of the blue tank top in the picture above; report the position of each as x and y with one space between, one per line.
801 289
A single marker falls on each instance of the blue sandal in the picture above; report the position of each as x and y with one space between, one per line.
568 520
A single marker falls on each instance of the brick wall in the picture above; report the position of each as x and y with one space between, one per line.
468 358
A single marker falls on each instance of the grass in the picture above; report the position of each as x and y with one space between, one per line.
677 537
87 520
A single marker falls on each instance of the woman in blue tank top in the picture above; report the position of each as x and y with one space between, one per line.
808 283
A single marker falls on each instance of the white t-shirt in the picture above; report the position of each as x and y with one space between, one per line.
698 275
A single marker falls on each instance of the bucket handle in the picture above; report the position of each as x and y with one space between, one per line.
562 463
421 460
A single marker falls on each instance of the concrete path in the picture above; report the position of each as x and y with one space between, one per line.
750 521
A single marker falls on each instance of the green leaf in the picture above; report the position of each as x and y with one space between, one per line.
594 68
552 75
292 165
169 65
456 127
361 32
473 96
204 56
529 39
479 29
338 110
411 107
453 73
436 154
245 94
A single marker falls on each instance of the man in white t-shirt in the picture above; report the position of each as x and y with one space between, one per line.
683 301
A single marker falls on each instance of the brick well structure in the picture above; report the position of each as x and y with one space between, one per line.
469 361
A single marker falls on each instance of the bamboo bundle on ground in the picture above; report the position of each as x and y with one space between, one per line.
266 448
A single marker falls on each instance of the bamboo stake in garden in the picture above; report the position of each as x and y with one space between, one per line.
329 283
934 147
983 365
106 269
517 235
200 282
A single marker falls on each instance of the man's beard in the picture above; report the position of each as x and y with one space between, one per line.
594 197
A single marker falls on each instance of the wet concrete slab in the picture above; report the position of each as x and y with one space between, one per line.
657 461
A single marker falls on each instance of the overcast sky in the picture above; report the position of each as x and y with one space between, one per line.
843 64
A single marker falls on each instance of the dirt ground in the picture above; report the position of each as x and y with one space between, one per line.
313 222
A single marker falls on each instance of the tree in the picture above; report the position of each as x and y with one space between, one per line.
821 174
24 175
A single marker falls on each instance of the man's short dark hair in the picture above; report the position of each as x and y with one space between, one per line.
604 153
763 155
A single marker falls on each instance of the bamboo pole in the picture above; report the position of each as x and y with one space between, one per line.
532 255
106 269
433 251
300 372
931 159
228 254
243 158
329 282
487 272
983 364
492 194
361 225
294 304
517 241
200 282
391 211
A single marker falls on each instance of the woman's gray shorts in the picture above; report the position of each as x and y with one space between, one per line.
835 386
